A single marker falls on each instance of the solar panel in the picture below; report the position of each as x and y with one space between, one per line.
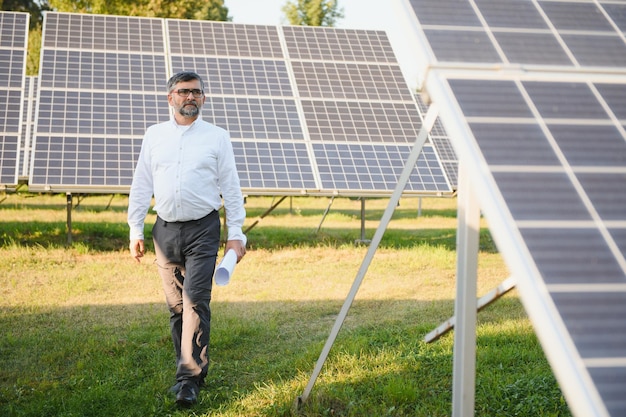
559 175
342 45
102 82
543 134
223 39
13 48
562 33
441 144
311 92
291 98
28 121
360 116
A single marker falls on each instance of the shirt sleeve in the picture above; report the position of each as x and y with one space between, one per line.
231 191
140 192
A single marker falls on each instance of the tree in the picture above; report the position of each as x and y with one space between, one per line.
34 50
179 9
313 12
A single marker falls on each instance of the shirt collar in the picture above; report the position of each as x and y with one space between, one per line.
184 127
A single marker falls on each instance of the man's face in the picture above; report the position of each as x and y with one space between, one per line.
187 106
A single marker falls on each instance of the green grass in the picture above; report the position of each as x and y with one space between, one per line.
84 330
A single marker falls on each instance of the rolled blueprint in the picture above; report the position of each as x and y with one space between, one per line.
225 268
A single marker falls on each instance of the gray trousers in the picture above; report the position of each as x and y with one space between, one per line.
185 254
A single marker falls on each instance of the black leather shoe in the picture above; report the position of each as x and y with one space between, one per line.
188 394
176 387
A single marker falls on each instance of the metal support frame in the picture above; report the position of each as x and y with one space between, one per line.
410 164
268 211
464 363
362 240
484 301
332 199
68 198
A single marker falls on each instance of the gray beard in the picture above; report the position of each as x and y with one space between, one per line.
189 111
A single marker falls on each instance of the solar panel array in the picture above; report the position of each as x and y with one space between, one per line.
544 133
100 86
13 48
361 117
310 110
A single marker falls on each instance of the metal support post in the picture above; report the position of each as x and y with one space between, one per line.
68 197
464 364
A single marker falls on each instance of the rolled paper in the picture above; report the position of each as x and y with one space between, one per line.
225 268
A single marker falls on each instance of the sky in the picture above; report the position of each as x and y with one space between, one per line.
359 14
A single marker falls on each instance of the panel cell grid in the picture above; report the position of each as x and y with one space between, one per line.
617 13
28 121
238 76
560 172
103 33
11 64
255 118
331 44
13 30
548 147
556 33
86 161
90 70
274 165
102 83
581 132
347 167
441 143
330 85
341 81
258 80
223 39
13 44
339 121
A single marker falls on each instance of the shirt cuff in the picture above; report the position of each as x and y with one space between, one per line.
136 233
235 233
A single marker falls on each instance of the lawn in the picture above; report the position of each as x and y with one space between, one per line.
84 329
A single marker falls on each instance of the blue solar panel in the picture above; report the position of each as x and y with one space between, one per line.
279 91
13 48
102 82
543 132
327 86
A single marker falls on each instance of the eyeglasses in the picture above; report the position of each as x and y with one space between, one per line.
184 92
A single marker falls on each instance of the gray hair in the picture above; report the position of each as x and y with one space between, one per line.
181 77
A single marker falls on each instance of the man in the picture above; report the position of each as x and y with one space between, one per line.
188 165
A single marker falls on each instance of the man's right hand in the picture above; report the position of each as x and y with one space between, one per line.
136 249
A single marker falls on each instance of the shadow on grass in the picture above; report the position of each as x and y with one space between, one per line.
118 203
95 203
370 214
117 360
103 237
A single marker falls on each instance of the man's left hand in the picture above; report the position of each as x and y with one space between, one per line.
238 246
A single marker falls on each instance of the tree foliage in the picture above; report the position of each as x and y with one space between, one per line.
313 12
178 9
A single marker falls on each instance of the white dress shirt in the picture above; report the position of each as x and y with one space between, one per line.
188 169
